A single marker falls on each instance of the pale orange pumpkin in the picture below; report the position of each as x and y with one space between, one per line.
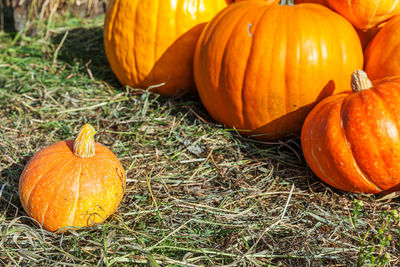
72 183
151 42
261 67
382 56
366 14
351 140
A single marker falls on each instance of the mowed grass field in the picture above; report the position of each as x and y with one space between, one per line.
197 194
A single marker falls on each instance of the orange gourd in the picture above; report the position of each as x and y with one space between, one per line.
151 42
366 14
352 140
261 67
72 183
382 56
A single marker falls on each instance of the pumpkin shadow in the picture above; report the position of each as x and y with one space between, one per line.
85 47
293 119
393 189
291 143
175 63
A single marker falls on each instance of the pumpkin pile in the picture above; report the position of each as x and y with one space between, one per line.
269 69
261 67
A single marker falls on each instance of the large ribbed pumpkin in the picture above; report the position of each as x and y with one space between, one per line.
382 56
72 183
151 42
352 140
261 67
365 14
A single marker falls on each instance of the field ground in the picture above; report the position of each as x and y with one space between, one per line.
197 194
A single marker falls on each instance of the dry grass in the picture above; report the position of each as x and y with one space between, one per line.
197 194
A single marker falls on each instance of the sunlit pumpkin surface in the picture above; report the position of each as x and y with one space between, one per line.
351 140
261 67
365 14
382 56
152 42
59 189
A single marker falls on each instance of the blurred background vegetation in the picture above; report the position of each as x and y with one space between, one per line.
17 15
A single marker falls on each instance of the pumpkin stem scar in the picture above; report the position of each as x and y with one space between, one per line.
84 142
248 29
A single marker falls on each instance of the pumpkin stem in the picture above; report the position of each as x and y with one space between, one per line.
84 142
286 2
360 81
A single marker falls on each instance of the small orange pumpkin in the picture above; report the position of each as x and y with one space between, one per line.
261 67
382 56
366 14
150 43
351 141
72 183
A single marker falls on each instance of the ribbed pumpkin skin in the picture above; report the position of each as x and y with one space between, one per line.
260 68
59 189
382 56
152 42
351 140
365 14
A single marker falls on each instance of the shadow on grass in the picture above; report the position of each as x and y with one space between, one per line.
85 45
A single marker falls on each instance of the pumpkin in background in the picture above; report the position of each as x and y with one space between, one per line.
351 140
382 56
150 43
365 14
72 183
261 67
